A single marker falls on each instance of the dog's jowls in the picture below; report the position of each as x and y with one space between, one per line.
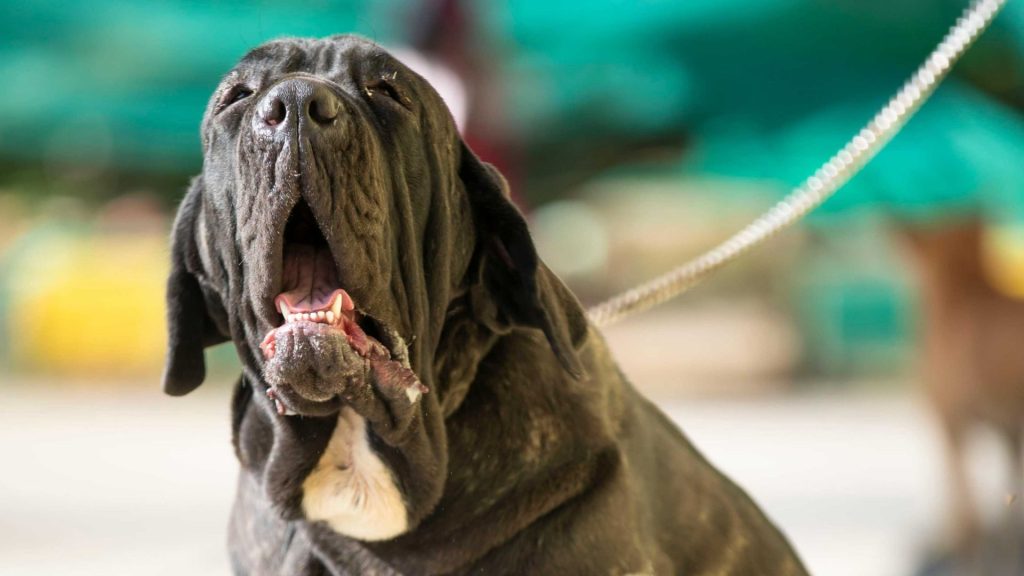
420 395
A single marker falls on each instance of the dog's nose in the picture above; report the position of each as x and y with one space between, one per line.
307 102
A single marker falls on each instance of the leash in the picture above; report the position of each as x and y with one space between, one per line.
831 176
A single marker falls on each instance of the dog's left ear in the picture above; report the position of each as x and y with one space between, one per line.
525 291
189 325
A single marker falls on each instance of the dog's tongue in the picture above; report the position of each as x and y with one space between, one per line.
309 278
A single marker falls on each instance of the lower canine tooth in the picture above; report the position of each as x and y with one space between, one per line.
330 317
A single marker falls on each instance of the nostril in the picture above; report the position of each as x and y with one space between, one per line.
297 104
322 110
275 113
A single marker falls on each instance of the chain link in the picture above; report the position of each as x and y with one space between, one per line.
823 183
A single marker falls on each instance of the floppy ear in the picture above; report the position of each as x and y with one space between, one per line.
525 291
190 328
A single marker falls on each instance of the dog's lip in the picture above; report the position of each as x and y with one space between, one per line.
384 344
290 403
346 322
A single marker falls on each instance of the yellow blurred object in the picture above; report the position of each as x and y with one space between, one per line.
1004 259
90 305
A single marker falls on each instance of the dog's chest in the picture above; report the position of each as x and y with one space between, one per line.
351 488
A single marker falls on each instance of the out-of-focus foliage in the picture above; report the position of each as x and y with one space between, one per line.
762 89
768 89
124 83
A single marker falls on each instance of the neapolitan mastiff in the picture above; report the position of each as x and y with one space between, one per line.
420 395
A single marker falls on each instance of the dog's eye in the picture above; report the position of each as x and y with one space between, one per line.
385 87
234 94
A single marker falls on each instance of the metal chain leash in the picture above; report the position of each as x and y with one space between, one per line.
825 181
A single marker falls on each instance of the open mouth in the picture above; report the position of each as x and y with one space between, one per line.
311 289
310 281
306 354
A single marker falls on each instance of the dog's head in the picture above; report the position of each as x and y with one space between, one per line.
339 215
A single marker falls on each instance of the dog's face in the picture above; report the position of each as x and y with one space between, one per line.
337 218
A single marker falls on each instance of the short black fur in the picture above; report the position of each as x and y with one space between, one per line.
529 452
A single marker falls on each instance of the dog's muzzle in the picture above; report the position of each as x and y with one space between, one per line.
323 345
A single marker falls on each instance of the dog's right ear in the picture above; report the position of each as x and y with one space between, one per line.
525 291
190 328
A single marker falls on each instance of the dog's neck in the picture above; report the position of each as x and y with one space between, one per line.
467 338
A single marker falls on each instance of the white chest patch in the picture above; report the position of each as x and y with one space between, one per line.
351 489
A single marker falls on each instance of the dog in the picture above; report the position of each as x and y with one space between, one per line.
970 363
420 394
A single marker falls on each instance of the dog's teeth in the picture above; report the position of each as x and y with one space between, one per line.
328 316
336 305
282 307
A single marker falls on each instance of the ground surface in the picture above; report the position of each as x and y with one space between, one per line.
131 483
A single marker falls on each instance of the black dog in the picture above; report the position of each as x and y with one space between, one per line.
420 395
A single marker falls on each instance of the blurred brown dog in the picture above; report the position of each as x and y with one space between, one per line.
972 363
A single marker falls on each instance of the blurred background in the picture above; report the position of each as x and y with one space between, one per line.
861 376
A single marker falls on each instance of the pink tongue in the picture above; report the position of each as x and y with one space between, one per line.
310 277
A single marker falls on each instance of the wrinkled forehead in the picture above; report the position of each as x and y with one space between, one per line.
351 63
333 58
